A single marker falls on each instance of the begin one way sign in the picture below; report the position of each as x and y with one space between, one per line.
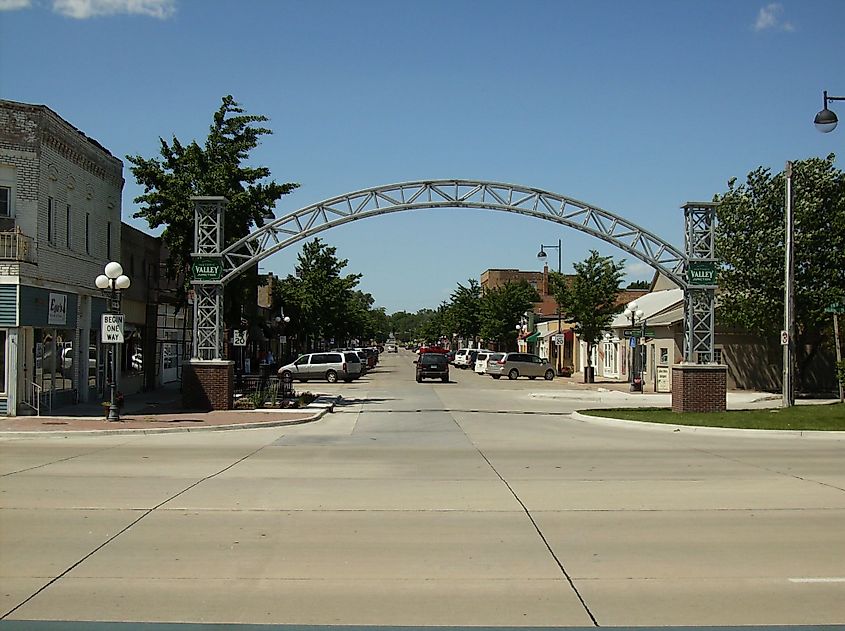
112 328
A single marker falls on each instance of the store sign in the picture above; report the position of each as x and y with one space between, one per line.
111 331
702 273
207 269
663 383
58 309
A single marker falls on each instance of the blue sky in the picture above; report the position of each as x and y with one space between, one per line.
635 107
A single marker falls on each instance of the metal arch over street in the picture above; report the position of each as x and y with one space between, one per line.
209 254
380 200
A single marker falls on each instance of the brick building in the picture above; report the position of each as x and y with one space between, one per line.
60 210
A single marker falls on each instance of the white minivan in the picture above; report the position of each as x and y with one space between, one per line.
483 357
466 357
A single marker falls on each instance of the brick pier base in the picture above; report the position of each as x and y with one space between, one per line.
699 388
208 384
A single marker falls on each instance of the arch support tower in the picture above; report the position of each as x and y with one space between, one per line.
698 384
208 379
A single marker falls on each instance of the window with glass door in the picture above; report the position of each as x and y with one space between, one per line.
3 338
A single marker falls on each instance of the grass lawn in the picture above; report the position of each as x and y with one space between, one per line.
804 417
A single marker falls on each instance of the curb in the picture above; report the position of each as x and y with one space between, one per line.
706 431
321 408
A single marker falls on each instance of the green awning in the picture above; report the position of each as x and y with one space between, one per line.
533 337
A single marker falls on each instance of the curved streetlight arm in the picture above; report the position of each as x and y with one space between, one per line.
831 98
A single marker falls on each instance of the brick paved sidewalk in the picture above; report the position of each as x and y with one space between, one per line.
156 411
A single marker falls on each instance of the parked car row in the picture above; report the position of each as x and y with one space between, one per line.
495 364
331 366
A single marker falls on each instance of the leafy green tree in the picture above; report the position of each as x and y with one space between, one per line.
319 296
501 308
403 325
379 325
216 168
750 243
465 310
588 300
437 325
639 284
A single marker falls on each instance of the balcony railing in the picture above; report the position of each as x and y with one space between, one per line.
15 246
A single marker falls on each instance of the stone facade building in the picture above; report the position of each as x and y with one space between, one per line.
60 212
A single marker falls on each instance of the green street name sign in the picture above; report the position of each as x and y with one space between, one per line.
702 273
207 269
637 333
834 308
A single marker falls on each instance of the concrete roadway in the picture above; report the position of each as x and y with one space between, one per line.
425 504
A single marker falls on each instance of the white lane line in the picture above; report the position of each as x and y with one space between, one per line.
826 579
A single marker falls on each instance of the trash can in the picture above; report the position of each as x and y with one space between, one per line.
589 374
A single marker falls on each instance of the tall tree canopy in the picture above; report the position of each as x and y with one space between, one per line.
465 308
213 169
321 298
501 308
589 300
750 243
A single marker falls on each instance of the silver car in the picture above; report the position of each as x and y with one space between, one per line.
331 366
516 365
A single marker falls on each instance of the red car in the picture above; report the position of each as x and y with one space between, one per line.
432 349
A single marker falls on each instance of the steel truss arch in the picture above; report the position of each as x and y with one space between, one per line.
379 200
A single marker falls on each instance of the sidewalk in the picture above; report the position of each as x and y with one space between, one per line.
156 411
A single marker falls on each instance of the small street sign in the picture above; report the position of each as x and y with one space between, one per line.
784 338
835 308
238 338
559 339
111 329
207 269
637 333
702 273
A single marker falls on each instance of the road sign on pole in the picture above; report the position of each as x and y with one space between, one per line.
238 338
784 338
111 330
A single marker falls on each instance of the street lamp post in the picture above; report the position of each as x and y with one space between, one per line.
279 320
542 256
633 311
112 283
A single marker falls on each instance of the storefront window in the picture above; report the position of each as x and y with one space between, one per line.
54 359
92 358
133 350
609 358
3 360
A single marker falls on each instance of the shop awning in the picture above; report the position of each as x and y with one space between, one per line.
533 337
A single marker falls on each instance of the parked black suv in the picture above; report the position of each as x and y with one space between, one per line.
432 365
